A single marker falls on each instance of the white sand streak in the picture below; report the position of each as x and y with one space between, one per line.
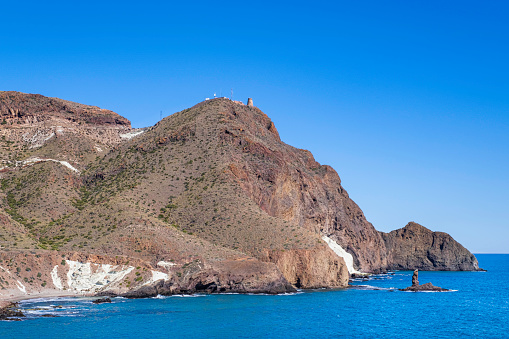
342 253
56 279
21 287
34 160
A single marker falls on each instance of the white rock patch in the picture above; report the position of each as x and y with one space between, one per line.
5 270
36 159
342 253
131 134
21 287
87 277
56 279
166 264
38 139
156 276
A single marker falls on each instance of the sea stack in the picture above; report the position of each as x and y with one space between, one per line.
415 278
428 287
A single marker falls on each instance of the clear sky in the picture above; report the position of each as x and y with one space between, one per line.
407 100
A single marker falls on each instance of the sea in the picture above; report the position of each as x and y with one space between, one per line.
477 306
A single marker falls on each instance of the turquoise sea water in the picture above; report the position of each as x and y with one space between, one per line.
479 307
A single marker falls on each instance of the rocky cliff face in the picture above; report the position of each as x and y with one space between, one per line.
416 247
289 184
314 268
44 273
209 199
21 108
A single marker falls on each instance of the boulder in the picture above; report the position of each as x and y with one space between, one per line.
102 300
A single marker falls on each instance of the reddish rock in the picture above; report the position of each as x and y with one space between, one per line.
415 246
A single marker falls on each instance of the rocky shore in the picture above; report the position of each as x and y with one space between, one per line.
9 311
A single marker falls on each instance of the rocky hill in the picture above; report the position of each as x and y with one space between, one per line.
416 246
209 199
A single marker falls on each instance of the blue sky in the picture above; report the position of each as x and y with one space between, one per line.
407 100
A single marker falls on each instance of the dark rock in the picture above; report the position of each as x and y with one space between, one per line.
415 278
415 246
102 300
10 312
428 287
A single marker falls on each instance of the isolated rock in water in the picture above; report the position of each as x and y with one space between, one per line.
415 246
428 287
415 278
102 300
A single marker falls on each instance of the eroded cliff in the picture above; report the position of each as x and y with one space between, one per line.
416 247
209 200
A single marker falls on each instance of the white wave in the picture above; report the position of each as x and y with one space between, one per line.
49 299
188 295
160 297
373 288
290 293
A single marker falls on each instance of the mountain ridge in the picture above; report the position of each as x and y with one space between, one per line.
210 186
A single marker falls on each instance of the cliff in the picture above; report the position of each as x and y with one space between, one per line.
209 199
416 247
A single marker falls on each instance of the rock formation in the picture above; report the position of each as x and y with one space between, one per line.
415 278
415 246
208 200
102 301
10 312
427 287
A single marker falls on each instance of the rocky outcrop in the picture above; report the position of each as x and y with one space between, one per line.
415 278
415 246
287 183
102 301
428 287
244 275
42 273
314 268
32 108
10 312
208 200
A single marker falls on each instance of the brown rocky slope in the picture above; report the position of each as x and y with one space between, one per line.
211 193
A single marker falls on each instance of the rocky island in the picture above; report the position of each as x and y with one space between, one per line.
427 287
207 200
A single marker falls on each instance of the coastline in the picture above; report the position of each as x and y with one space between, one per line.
6 302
